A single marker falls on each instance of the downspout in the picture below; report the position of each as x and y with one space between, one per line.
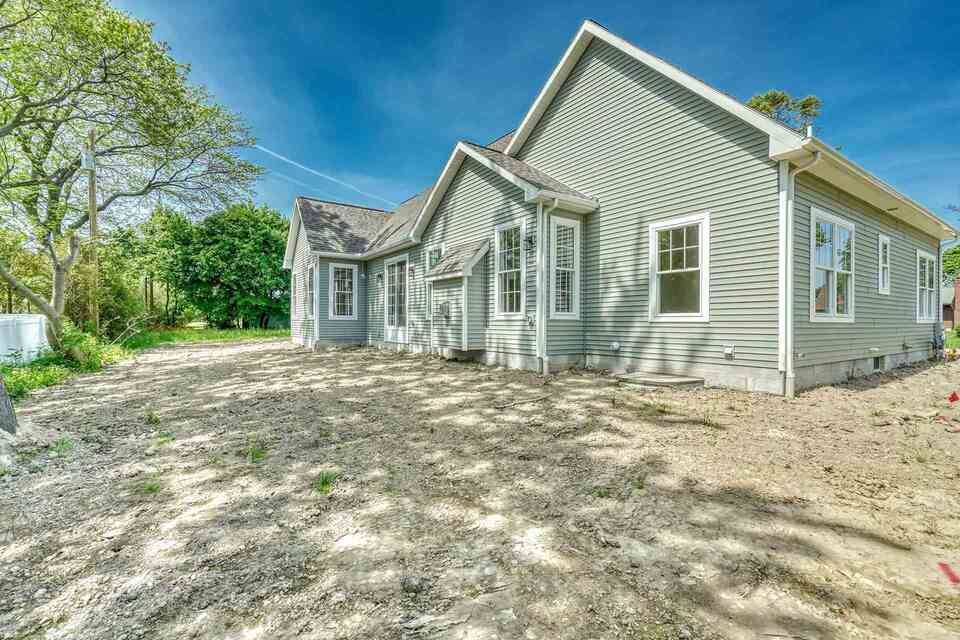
543 221
789 389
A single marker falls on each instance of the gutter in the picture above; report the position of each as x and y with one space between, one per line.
789 383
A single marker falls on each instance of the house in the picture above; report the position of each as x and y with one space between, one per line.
636 219
949 298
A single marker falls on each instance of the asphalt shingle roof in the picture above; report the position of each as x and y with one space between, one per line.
397 227
337 227
456 258
522 170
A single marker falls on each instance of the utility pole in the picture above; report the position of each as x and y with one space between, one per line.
91 166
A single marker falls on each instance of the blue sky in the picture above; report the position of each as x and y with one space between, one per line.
373 95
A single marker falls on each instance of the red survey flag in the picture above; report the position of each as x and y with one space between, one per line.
953 397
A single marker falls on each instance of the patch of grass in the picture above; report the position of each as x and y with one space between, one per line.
600 492
953 339
254 452
324 482
149 488
708 420
159 337
646 408
54 368
164 437
4 471
151 418
61 447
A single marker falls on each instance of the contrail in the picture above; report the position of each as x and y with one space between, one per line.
323 175
313 189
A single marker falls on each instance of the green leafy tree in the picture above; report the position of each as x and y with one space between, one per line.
72 66
796 113
951 264
232 269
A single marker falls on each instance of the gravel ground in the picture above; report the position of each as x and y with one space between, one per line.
259 490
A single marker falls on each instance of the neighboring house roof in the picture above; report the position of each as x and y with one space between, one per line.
947 295
335 227
459 260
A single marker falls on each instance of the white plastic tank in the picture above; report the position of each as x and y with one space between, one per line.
22 336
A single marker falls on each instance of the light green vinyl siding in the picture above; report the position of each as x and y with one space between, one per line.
348 331
885 322
476 308
448 331
301 327
476 202
650 150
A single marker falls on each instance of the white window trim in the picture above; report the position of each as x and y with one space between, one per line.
819 214
522 224
937 308
331 292
295 296
556 222
653 283
310 303
426 254
406 283
881 241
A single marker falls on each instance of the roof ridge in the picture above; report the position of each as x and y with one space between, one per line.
343 204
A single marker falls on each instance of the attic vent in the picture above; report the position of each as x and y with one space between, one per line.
878 363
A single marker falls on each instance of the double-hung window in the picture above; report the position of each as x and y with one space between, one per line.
680 269
831 268
565 267
926 287
883 262
343 292
311 288
510 269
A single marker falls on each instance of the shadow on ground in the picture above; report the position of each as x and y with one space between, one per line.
468 502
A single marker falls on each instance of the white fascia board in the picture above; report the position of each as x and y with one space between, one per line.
452 275
780 135
292 234
436 195
338 256
531 193
848 176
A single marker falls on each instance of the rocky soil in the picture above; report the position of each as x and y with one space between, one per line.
263 491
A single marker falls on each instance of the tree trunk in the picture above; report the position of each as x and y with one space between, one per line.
9 299
8 418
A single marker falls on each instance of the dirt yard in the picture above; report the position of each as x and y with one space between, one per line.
262 491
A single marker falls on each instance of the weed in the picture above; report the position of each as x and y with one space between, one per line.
61 447
600 492
164 437
150 488
255 451
4 471
151 418
653 408
708 420
640 483
324 482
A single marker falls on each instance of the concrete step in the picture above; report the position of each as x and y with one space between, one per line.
658 379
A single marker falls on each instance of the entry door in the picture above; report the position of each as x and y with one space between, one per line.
396 301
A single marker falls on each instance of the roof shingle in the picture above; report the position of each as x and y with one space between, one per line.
337 227
457 258
522 170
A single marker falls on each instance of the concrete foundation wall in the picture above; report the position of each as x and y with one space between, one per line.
837 372
734 377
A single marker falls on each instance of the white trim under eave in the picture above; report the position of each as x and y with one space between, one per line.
293 235
843 173
781 136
